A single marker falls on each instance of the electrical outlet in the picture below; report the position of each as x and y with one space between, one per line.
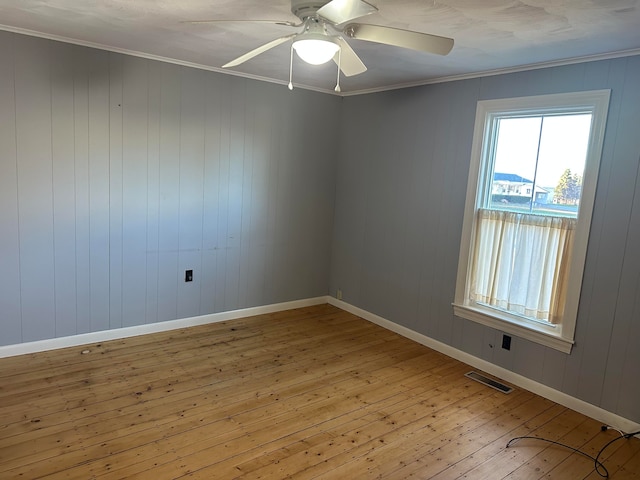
506 342
188 276
339 294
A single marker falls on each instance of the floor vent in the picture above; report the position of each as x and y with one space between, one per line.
489 382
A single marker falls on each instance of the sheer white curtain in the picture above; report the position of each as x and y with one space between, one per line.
521 263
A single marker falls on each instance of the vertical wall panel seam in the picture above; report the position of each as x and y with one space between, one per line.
414 168
109 249
89 199
229 116
159 190
275 138
217 238
362 291
202 94
217 242
53 203
204 183
241 232
15 134
615 311
75 196
619 276
109 106
422 277
180 109
158 193
585 320
252 190
146 230
578 335
217 246
121 183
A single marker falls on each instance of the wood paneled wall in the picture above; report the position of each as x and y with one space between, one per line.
401 188
118 173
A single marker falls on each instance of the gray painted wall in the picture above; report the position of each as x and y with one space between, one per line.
119 173
401 187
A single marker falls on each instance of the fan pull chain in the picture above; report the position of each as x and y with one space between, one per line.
337 89
291 70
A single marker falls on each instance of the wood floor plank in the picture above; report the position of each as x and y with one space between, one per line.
313 392
616 456
551 455
426 457
576 465
434 458
444 420
476 463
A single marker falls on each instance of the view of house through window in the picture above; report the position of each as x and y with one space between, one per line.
539 164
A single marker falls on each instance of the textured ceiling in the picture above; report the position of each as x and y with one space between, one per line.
489 34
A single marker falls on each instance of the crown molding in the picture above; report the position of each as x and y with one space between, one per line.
158 58
366 91
500 71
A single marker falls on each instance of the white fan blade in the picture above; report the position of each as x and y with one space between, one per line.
258 51
423 42
350 63
340 11
286 23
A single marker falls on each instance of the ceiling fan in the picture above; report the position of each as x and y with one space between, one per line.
321 36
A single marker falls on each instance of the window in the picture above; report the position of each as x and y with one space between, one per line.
530 196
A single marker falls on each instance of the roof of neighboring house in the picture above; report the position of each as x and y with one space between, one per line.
510 177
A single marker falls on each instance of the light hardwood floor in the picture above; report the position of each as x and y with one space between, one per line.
306 393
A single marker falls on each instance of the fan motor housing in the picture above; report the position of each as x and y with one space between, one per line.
306 8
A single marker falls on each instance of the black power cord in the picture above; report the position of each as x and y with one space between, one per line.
597 464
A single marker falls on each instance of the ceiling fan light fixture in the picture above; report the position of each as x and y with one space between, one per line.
315 49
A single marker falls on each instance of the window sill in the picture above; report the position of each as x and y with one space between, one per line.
538 333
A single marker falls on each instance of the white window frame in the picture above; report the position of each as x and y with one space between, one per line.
559 337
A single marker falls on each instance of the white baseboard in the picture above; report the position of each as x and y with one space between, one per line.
592 411
552 394
104 335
